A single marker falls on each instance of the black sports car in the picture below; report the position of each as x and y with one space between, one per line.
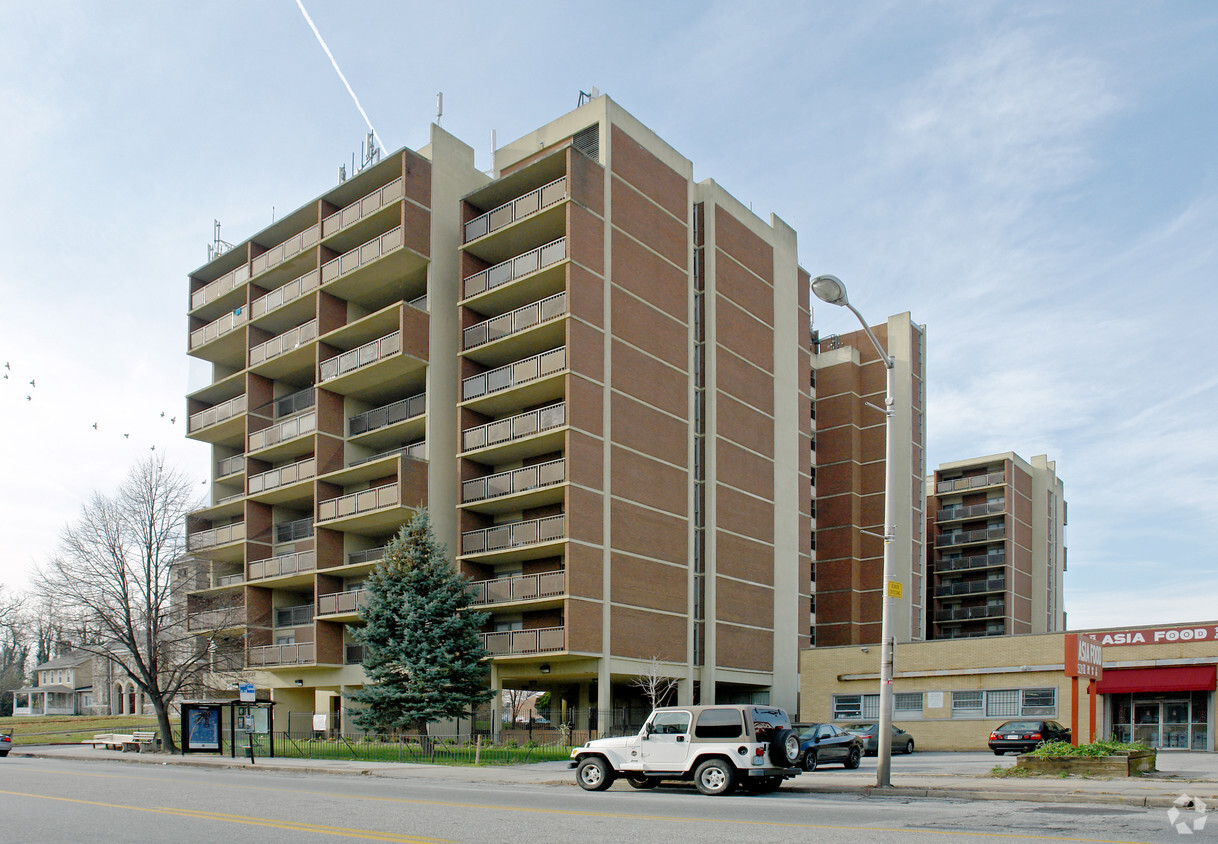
821 743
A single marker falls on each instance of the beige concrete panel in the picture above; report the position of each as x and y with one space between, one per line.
645 583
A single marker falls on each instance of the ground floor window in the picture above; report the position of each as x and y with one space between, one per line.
1165 720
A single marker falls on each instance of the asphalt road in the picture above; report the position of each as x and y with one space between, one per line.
50 800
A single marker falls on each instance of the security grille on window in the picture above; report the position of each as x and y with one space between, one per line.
967 704
847 706
907 702
1002 703
1039 702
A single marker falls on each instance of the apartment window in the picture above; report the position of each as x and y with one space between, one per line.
907 702
1039 702
967 704
1002 703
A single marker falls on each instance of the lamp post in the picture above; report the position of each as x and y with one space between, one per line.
830 289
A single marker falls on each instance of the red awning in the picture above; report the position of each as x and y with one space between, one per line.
1172 678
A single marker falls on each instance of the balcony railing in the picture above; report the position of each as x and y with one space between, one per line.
216 619
215 415
969 512
301 654
218 328
359 502
362 208
289 248
515 374
353 654
288 429
514 268
390 414
289 292
520 588
362 255
366 354
515 321
969 613
228 580
966 536
301 561
349 601
993 585
230 465
958 484
514 427
295 616
516 480
517 209
293 531
540 640
216 536
513 535
214 290
283 476
979 561
283 343
416 450
371 555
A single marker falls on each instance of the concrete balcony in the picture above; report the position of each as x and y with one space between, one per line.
514 484
216 537
510 433
973 511
219 422
488 392
527 587
219 341
346 604
524 264
229 618
270 655
980 561
286 430
365 355
968 537
285 251
362 209
219 288
291 292
514 535
282 477
377 509
230 466
283 565
282 345
966 484
518 209
971 613
514 642
973 588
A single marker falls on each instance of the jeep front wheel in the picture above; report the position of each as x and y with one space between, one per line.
594 774
715 777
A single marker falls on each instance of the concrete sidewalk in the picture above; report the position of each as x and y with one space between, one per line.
1191 775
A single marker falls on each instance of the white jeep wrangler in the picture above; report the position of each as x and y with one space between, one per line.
717 747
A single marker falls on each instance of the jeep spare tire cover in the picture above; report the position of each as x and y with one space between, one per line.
784 749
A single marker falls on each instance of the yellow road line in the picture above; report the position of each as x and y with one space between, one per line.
294 826
627 816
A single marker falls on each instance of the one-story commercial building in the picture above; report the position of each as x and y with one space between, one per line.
1157 686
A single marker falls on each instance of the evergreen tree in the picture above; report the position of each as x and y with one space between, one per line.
423 654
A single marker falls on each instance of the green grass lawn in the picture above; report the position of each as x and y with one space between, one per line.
68 729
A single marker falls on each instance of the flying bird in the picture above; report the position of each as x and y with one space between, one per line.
32 384
27 398
173 420
6 366
126 436
94 426
162 414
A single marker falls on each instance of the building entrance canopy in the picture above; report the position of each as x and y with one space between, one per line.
1173 678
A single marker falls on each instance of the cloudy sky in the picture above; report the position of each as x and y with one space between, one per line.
1036 182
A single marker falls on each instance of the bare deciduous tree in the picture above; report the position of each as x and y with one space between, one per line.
515 700
14 648
655 684
118 584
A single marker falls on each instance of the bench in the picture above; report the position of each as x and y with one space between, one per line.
139 740
108 741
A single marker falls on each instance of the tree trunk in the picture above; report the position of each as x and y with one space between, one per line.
425 742
162 720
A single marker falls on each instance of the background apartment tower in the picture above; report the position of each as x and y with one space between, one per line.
849 482
591 369
997 526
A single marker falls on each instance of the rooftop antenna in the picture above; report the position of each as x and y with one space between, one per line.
439 107
588 96
217 247
494 146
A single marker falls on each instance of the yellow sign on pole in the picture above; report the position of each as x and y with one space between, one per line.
894 589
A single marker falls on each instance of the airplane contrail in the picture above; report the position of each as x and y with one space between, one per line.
339 71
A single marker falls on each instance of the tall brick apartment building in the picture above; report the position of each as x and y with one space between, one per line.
593 370
849 483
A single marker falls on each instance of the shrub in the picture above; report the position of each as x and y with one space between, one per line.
1096 748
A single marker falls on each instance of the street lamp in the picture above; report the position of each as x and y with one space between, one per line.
830 289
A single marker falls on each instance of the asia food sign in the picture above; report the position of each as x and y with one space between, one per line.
1158 636
1084 656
